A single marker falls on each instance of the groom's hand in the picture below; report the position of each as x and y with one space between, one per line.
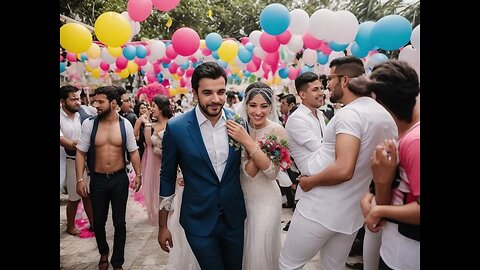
165 238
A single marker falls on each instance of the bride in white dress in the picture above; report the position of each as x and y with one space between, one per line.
257 177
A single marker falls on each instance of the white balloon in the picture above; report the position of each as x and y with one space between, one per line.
147 67
106 56
240 64
298 22
415 38
157 50
258 51
180 59
322 24
334 55
309 57
198 54
94 63
346 27
410 55
254 37
295 44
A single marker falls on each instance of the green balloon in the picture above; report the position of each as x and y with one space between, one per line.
252 78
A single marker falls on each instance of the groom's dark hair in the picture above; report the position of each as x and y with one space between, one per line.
210 70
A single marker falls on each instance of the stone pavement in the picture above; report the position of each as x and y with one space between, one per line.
142 251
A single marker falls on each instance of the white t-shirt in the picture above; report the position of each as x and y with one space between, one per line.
338 207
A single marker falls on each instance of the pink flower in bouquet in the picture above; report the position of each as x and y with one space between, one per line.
277 150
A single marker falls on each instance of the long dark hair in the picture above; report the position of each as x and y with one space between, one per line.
163 103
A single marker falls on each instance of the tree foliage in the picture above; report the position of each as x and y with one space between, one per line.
230 18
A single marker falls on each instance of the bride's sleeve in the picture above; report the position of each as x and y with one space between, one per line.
244 162
272 171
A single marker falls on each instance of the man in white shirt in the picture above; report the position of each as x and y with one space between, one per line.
328 215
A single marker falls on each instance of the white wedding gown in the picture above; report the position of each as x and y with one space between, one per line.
263 202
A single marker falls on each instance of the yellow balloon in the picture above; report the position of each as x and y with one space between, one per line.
132 67
235 70
183 90
115 51
96 73
123 73
75 37
202 43
88 68
173 91
175 77
94 51
228 50
112 29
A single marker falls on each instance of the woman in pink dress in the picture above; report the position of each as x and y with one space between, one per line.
152 157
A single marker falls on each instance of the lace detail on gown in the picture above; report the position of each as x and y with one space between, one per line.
157 143
263 202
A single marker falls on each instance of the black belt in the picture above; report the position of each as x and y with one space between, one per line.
109 174
72 158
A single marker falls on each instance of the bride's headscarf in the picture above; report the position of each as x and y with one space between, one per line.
259 88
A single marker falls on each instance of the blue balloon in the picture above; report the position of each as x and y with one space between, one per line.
222 63
275 19
141 51
215 55
213 41
250 46
160 77
283 73
165 65
391 32
129 52
63 66
246 73
244 54
364 33
83 57
376 59
337 46
322 58
185 65
305 69
196 64
357 51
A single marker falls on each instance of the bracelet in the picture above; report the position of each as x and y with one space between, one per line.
254 151
79 180
139 175
148 125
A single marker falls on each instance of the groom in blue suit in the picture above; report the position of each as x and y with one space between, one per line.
213 209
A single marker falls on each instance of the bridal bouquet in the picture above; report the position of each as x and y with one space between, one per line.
277 150
238 119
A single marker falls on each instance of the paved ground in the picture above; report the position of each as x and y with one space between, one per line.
142 251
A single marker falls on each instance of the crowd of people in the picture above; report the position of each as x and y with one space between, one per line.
354 144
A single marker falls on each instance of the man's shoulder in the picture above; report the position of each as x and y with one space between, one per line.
181 119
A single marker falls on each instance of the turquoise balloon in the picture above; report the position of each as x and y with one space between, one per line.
165 65
83 57
249 46
358 52
363 37
222 63
215 55
244 55
322 58
337 46
213 41
391 32
185 65
246 73
63 66
275 19
141 51
305 69
129 52
283 73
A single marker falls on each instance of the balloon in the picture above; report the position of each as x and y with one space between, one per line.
410 55
415 38
269 43
112 29
357 51
213 41
322 24
310 42
63 66
185 41
140 61
104 66
337 46
121 62
140 51
139 10
255 37
322 58
115 51
157 50
376 59
129 52
165 5
391 32
295 44
363 37
244 55
283 73
275 19
71 57
293 73
309 57
170 52
228 50
132 67
93 51
75 37
346 27
299 21
284 37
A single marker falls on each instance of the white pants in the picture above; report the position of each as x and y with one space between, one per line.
306 237
371 249
71 181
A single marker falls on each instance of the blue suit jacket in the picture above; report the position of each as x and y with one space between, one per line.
204 196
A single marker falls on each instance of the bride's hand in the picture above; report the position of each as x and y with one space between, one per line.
237 132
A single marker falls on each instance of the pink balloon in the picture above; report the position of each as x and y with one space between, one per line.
189 72
166 83
252 67
293 73
269 43
166 60
284 37
266 68
272 58
71 57
121 62
157 68
148 49
104 66
256 60
61 58
173 68
183 82
206 51
325 49
151 77
139 10
310 42
244 40
140 61
185 41
192 59
165 5
180 72
171 53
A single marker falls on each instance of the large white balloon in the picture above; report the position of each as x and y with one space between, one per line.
309 57
258 51
299 20
346 27
322 24
157 50
106 56
410 55
415 38
295 44
254 37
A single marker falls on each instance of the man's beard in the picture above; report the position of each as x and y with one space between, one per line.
204 109
104 113
70 109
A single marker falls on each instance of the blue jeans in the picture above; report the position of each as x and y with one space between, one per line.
106 188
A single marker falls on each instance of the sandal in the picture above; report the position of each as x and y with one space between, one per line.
103 263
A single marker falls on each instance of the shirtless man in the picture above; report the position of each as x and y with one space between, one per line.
106 161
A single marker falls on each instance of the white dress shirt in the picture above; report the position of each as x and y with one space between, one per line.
305 136
215 139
